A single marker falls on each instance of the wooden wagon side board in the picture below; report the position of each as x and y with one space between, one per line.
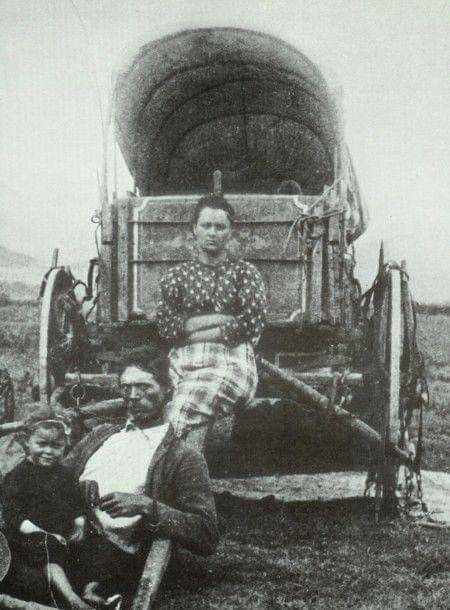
302 271
161 236
107 310
124 248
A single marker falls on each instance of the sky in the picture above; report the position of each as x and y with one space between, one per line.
391 58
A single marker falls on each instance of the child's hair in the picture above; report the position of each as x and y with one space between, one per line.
47 418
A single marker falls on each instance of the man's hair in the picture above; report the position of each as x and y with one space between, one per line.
147 359
215 201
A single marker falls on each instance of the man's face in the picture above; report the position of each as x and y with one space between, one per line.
142 393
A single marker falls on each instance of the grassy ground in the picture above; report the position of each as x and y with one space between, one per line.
19 338
19 343
434 341
298 555
321 556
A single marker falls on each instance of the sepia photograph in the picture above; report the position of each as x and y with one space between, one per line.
224 304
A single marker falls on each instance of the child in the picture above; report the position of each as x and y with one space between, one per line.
42 506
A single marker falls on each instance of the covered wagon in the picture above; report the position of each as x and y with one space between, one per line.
256 113
237 111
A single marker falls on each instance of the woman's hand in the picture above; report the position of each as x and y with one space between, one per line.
210 335
205 322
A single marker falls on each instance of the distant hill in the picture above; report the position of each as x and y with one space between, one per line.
8 258
18 291
433 309
21 275
19 271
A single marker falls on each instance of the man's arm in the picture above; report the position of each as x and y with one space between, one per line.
192 522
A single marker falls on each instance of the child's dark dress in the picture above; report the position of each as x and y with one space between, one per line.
49 498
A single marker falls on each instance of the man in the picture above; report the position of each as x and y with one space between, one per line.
150 484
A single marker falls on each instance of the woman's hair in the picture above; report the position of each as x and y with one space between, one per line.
47 418
216 202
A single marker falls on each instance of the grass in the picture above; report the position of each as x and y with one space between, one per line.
297 555
322 556
19 345
433 337
19 337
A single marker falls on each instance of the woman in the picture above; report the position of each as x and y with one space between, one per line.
212 309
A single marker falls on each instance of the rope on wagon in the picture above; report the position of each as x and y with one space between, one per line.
304 218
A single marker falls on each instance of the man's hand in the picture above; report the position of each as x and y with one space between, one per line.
118 504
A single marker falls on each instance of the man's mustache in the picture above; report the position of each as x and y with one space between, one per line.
143 402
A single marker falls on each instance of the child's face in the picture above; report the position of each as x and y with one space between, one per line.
46 446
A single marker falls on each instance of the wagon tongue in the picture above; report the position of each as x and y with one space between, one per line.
306 394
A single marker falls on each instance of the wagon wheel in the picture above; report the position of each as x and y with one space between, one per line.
388 343
56 331
394 389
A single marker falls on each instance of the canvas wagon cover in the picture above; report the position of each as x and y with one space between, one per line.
236 100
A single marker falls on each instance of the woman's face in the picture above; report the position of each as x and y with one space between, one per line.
212 231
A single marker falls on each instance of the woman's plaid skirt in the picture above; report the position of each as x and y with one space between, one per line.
209 381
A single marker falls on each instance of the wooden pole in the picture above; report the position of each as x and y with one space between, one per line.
323 404
55 255
8 428
217 178
104 408
154 569
103 380
11 603
381 257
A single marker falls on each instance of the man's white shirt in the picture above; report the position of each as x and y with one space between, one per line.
121 464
